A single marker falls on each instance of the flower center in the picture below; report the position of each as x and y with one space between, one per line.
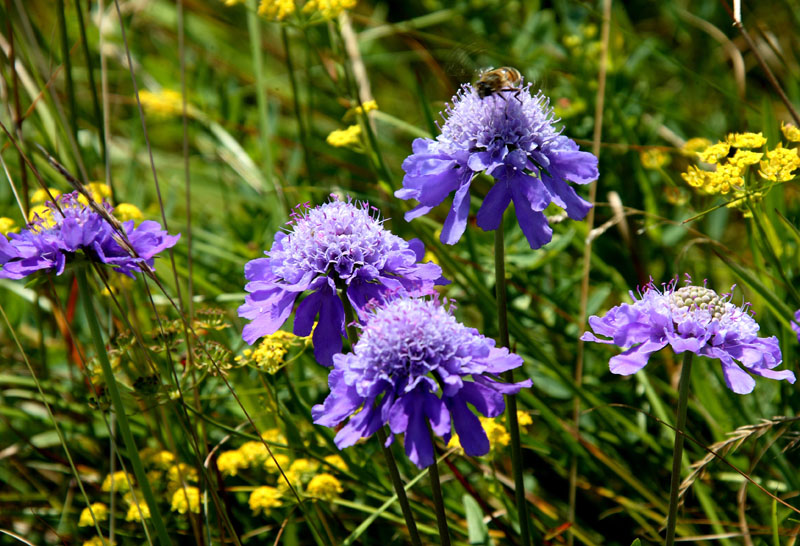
692 298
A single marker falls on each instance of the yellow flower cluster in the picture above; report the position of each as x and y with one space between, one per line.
96 541
181 472
185 500
790 132
40 195
269 354
100 513
324 487
121 482
653 158
695 145
336 462
137 508
495 431
329 9
342 138
162 104
127 211
780 164
7 225
98 191
277 10
253 455
230 462
365 107
263 499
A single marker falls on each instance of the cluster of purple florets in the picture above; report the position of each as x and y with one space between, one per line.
70 228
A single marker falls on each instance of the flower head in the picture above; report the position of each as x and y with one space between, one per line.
118 481
329 9
511 137
100 511
263 499
186 500
7 225
796 324
689 318
58 233
410 350
790 132
341 138
324 487
337 246
277 10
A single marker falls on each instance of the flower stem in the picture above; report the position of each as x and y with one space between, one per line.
511 402
119 409
438 502
349 318
677 453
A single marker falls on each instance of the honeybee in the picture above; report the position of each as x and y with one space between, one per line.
498 80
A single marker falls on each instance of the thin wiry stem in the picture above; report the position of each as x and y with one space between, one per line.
438 501
677 453
587 254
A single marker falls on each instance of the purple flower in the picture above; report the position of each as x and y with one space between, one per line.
690 318
52 239
410 350
511 137
796 324
336 246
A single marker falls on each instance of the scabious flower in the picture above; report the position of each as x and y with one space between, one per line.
410 350
512 137
340 245
796 324
56 235
689 318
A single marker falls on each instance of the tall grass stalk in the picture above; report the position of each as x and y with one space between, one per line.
511 401
119 409
438 501
677 453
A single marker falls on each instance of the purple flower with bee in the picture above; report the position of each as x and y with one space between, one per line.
690 318
338 249
503 130
60 232
416 368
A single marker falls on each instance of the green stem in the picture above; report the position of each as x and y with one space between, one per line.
677 453
402 498
301 128
438 502
511 402
119 409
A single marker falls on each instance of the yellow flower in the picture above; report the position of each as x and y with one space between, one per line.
341 138
230 462
336 461
455 442
301 470
714 153
233 2
743 158
44 214
96 541
121 480
161 104
98 191
7 225
263 499
277 10
40 195
274 435
187 499
497 433
163 459
791 132
138 511
726 176
324 486
653 158
368 106
254 453
269 354
100 513
269 463
746 140
181 471
780 164
524 418
697 178
127 211
694 145
328 8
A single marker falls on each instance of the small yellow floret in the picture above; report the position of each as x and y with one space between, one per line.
780 164
230 462
694 145
100 513
336 461
715 152
98 191
122 481
270 353
263 499
367 106
186 499
274 435
790 132
127 211
496 432
8 225
324 487
743 158
328 8
40 195
277 10
653 158
164 103
341 138
138 512
301 470
282 460
746 140
254 453
181 471
524 418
